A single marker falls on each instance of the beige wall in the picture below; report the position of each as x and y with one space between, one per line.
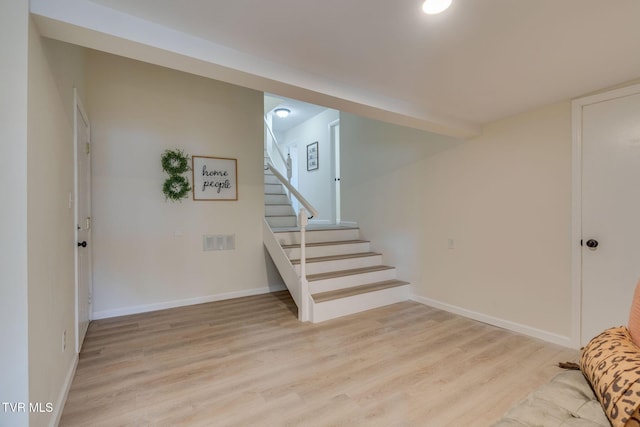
50 221
382 181
503 197
148 251
14 33
67 63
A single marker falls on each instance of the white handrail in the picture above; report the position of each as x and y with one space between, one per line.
275 140
304 202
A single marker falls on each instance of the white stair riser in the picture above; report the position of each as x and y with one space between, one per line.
335 283
271 179
354 304
274 189
330 250
275 199
282 221
341 264
271 210
293 237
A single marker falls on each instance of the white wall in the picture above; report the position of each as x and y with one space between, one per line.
148 251
503 197
316 185
51 244
14 33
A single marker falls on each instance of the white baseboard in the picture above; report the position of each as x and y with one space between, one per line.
501 323
105 314
64 392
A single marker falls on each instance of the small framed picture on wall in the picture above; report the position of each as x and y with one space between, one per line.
214 178
312 156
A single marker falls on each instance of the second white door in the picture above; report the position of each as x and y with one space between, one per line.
83 225
610 212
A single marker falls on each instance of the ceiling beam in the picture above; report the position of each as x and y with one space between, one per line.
97 27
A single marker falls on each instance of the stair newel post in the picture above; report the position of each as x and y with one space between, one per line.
303 221
289 172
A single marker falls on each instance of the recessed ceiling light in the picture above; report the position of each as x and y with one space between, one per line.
282 112
433 7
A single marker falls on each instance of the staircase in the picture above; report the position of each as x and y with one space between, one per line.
277 206
344 275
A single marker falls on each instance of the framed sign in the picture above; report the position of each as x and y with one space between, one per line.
214 178
312 156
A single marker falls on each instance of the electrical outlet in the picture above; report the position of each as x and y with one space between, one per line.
64 341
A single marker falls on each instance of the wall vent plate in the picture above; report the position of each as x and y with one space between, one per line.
218 242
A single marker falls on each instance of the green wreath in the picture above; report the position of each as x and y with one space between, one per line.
176 187
175 162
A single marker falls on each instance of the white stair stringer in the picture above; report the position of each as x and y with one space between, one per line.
282 262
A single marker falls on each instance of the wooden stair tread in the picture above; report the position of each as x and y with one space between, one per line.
356 290
336 257
351 272
337 242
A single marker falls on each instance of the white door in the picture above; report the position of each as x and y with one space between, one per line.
610 212
83 224
334 133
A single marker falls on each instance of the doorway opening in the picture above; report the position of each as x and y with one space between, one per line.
310 136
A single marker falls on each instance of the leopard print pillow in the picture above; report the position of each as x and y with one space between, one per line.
611 363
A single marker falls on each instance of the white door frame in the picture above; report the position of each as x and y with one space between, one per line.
79 108
335 169
577 106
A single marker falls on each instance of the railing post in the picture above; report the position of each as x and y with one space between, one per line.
289 172
303 315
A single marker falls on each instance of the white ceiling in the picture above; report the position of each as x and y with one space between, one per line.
300 112
479 61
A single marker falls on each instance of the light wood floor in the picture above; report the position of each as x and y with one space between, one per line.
249 362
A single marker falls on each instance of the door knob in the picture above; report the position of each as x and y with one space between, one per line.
83 244
592 243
